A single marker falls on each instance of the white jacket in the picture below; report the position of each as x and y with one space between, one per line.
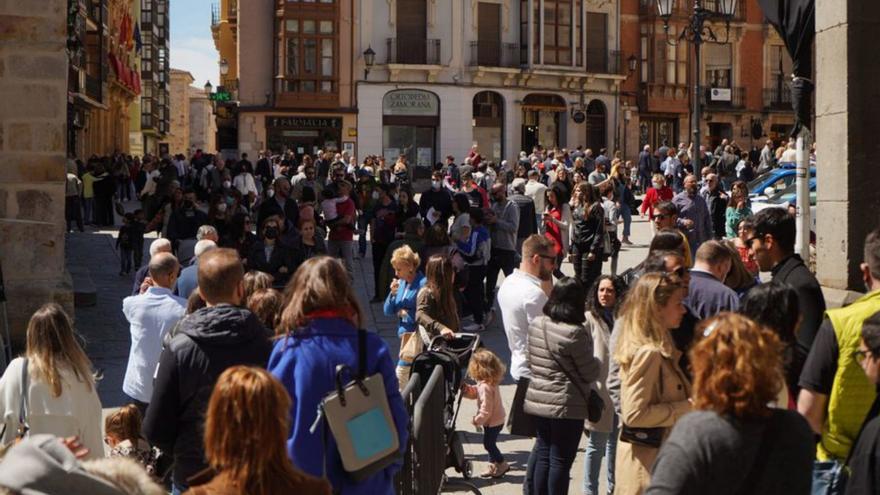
77 411
245 184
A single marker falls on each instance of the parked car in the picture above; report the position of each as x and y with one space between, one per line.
788 197
778 179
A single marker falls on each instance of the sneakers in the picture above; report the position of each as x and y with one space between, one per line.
495 470
473 328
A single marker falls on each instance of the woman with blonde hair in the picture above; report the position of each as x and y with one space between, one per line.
654 390
247 420
59 384
401 302
321 320
734 442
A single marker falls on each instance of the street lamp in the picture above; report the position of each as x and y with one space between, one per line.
208 88
369 60
224 67
631 62
697 31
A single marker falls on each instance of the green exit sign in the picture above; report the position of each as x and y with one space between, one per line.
221 96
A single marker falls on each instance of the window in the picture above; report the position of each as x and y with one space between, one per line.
643 55
780 65
310 64
718 65
557 31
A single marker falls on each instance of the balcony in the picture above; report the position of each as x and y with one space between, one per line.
778 98
215 15
602 62
664 97
724 98
494 54
684 8
413 51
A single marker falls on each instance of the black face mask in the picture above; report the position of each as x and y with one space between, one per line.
271 232
187 205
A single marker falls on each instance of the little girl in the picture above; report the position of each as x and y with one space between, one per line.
487 370
122 433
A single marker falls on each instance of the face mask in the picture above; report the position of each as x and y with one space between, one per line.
435 184
230 200
375 194
188 205
396 197
271 232
227 184
221 207
271 193
656 185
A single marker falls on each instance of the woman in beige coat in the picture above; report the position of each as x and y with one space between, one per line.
654 390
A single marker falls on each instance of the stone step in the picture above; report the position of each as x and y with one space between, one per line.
84 292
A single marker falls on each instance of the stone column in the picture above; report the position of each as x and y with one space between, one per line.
847 130
33 116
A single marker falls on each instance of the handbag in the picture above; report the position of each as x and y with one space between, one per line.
358 416
595 404
411 345
645 437
519 422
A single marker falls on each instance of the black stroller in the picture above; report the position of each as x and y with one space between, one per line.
453 356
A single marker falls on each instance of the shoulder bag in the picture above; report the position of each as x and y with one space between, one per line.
358 416
595 404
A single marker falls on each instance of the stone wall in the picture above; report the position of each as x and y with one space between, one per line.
33 99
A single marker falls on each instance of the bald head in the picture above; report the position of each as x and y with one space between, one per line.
220 277
163 269
161 245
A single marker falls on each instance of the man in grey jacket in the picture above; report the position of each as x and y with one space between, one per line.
693 207
503 223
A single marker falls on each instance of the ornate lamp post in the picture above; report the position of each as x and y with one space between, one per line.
369 60
698 31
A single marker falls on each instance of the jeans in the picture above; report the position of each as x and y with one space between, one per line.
600 445
125 255
473 293
626 214
345 251
379 250
89 210
554 451
362 222
490 442
585 270
499 260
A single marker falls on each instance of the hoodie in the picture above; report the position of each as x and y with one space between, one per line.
207 343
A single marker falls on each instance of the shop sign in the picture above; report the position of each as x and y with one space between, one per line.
410 102
720 94
304 122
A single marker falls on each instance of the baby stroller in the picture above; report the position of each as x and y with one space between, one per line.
453 356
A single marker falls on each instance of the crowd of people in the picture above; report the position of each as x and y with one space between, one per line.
687 372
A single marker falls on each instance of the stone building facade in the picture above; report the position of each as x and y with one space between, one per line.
179 131
506 75
202 124
33 114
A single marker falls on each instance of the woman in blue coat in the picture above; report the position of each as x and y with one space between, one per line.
322 317
401 302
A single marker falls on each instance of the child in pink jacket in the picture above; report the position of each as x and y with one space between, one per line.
487 370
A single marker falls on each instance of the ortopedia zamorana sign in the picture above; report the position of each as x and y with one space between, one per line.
410 102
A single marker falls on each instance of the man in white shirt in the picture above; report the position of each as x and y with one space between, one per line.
535 190
151 315
521 299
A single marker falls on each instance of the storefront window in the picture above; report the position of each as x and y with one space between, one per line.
410 118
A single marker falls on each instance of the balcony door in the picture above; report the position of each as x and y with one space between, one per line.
597 42
412 31
489 34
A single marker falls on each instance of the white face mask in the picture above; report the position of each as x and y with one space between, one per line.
656 185
375 194
435 184
271 193
396 197
221 207
227 184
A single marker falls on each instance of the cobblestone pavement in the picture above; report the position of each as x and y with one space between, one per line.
107 343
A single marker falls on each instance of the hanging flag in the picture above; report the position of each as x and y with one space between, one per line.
138 44
795 22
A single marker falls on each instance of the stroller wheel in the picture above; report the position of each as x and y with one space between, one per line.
468 470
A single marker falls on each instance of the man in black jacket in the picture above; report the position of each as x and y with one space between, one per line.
439 198
279 204
772 241
207 342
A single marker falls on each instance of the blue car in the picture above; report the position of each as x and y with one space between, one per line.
778 178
